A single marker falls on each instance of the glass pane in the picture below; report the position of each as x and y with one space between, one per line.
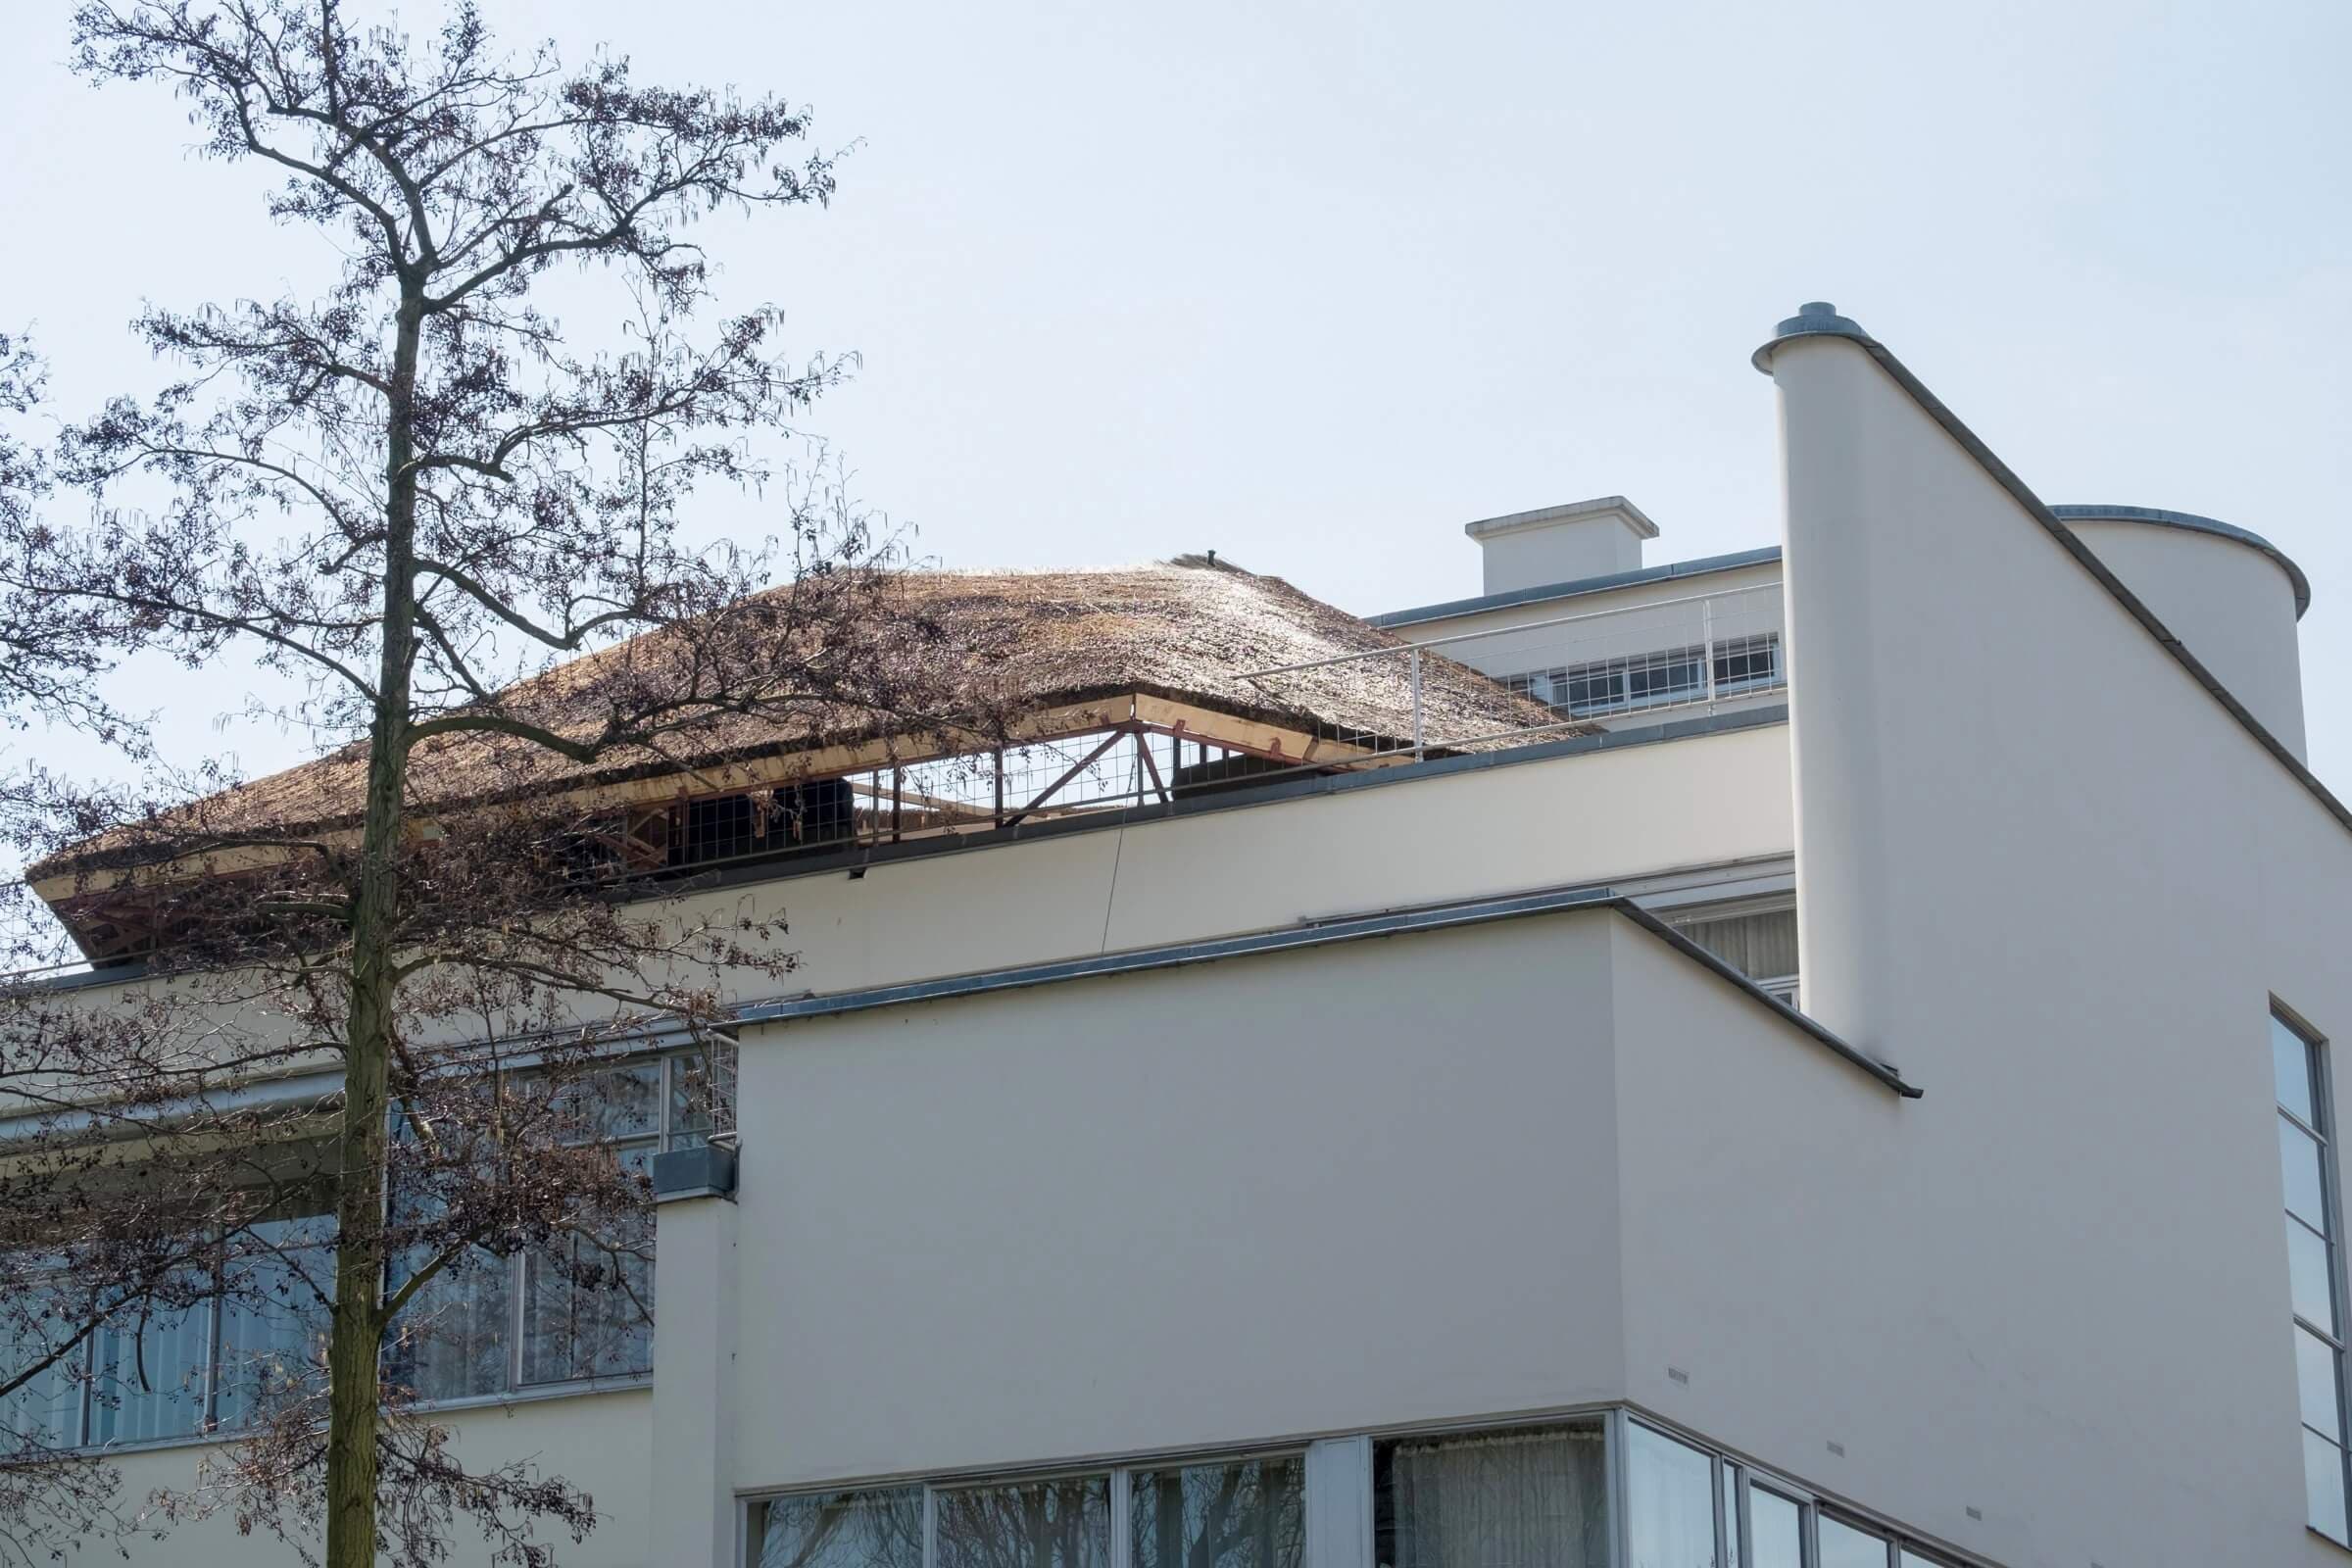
587 1312
2313 1281
1669 1501
1762 946
1731 1515
277 1280
1247 1515
2299 1162
702 1094
588 1302
2290 1064
453 1336
1063 1523
45 1410
1913 1559
148 1375
1775 1530
1845 1546
1506 1499
2324 1485
612 1103
843 1530
2314 1377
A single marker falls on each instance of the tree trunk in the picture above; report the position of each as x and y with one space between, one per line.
355 1346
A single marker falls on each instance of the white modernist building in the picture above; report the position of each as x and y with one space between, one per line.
1768 1104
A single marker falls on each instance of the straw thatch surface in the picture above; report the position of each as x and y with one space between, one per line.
1017 642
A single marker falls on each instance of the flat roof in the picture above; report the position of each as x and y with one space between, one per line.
1698 568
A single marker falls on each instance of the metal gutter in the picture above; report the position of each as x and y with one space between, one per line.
1293 939
1701 566
316 1089
1820 320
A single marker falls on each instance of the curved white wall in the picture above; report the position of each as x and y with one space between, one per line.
2232 605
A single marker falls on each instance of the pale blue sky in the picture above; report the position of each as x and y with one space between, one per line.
1316 283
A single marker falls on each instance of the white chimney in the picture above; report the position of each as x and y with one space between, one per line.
1562 543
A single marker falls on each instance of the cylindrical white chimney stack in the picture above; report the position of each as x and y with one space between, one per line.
2229 596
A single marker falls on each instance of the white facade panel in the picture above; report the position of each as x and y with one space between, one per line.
1591 817
2234 607
2063 906
1267 1197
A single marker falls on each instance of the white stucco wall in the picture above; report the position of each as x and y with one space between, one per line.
2060 1295
2231 605
1272 1197
600 1443
1591 817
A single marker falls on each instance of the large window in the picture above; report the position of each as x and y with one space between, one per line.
1529 1498
1689 1507
2307 1166
205 1352
579 1309
1670 1498
1518 1497
250 1326
1759 939
1232 1513
1058 1522
1248 1513
1631 682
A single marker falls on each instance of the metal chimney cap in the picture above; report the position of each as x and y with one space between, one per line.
1813 319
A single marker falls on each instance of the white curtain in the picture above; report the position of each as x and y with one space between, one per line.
1520 1500
1761 945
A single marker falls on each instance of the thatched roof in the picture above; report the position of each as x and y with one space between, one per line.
1021 642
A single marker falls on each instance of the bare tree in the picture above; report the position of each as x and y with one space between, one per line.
458 528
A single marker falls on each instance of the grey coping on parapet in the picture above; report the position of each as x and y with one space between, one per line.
2190 521
1810 322
1597 506
1314 934
1672 569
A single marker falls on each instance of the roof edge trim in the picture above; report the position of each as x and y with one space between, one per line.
1597 506
1699 567
1970 442
2192 522
1322 933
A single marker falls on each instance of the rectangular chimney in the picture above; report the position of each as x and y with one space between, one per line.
1562 543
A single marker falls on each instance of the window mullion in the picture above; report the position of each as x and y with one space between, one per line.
519 1283
212 1361
1122 1533
666 1092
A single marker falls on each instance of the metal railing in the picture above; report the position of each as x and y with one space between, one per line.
1697 653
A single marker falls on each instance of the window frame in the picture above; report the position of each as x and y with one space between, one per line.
1787 988
1766 644
1734 1517
1693 672
2318 1070
666 1134
750 1515
663 1137
1733 1509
